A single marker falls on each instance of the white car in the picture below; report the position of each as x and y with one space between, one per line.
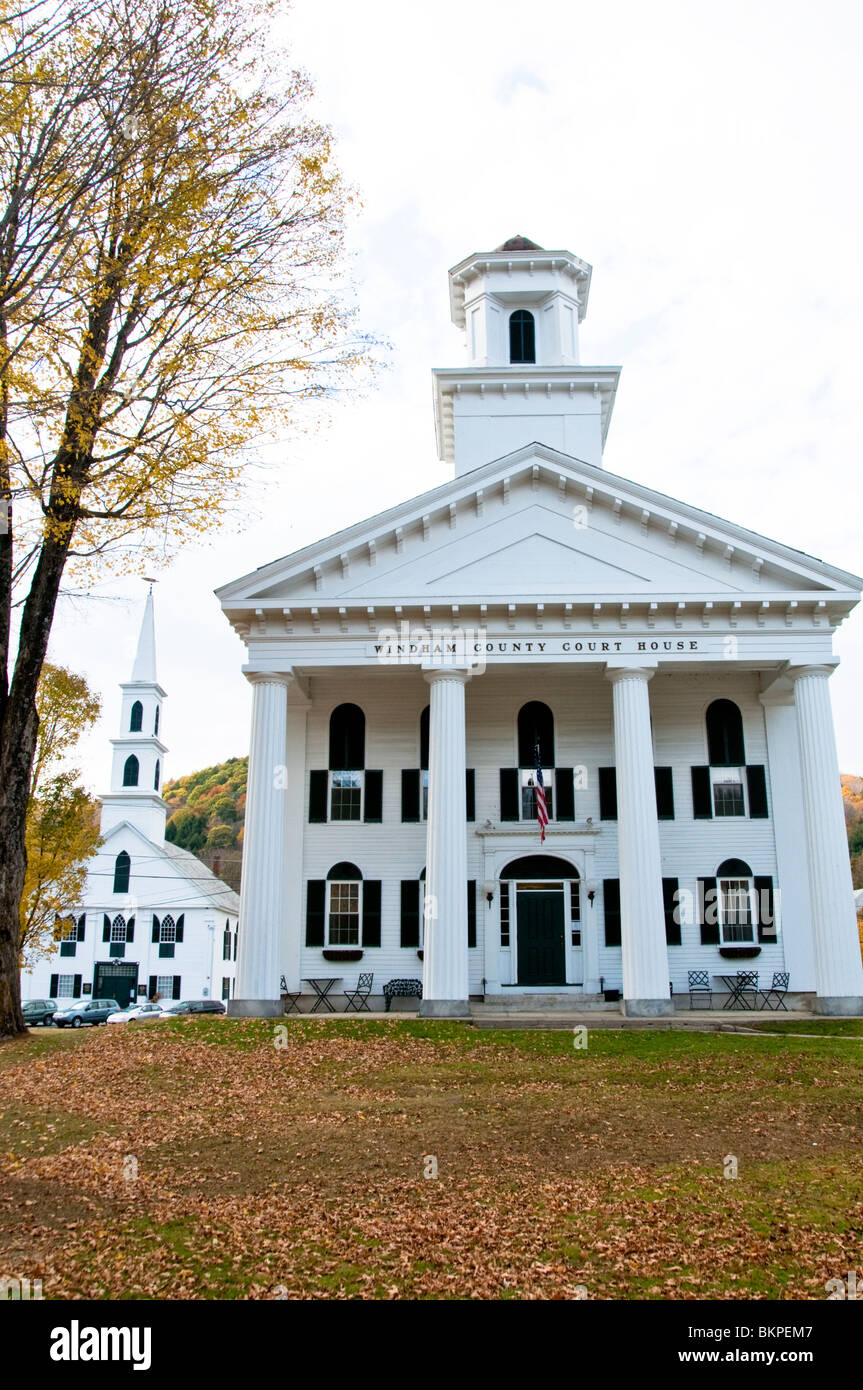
137 1011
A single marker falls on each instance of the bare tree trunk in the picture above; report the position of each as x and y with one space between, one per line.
18 731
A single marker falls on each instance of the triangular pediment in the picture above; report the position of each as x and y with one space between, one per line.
536 525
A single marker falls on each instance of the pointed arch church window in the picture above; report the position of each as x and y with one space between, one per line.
136 720
158 774
156 722
122 869
130 771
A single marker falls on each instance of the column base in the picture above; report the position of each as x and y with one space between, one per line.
444 1008
255 1008
834 1004
647 1008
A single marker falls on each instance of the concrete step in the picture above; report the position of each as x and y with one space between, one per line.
495 1005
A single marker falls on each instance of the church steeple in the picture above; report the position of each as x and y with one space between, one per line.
138 761
520 307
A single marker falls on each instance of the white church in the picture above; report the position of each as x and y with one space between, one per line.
153 920
665 674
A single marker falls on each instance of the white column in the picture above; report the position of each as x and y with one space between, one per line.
445 958
262 897
295 796
642 917
838 966
788 814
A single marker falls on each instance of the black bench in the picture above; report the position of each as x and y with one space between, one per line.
402 988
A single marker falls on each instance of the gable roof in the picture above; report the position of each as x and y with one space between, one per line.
200 878
492 558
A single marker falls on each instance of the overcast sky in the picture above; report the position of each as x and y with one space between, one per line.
704 159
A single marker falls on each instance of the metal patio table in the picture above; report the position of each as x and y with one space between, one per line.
322 985
736 985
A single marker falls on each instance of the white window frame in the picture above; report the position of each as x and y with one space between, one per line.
332 788
349 886
168 982
526 776
720 776
65 986
738 879
118 924
167 931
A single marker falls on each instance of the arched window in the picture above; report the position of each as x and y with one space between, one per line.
118 929
156 778
522 336
347 739
344 891
156 722
535 726
347 760
535 730
122 869
130 771
168 929
136 721
735 902
725 735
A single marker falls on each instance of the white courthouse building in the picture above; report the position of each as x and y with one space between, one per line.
152 919
672 668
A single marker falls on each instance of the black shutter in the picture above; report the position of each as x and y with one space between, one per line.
318 786
152 987
410 794
702 801
155 937
509 793
611 903
708 912
82 925
756 782
179 929
664 780
316 893
471 912
236 938
54 986
672 911
608 794
410 927
76 986
371 911
130 929
763 885
564 794
373 809
175 992
470 793
106 927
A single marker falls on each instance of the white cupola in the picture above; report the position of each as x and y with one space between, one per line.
138 762
520 308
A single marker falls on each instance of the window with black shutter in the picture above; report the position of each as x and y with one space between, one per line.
564 786
765 908
509 798
371 912
670 887
410 912
318 783
756 783
702 799
374 798
708 911
470 794
664 793
410 794
316 893
471 912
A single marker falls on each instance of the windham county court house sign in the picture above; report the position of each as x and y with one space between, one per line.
669 669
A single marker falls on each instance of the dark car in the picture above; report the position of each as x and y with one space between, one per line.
87 1013
193 1006
39 1010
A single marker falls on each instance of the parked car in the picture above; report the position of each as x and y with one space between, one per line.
193 1006
39 1010
139 1012
86 1013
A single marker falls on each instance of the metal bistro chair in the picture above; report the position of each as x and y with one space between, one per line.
358 998
291 1000
777 991
748 985
699 985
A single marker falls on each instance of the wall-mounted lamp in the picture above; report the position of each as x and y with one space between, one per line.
591 891
488 888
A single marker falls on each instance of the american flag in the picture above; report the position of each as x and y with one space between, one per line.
541 805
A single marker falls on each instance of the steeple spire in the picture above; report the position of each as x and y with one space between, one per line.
144 668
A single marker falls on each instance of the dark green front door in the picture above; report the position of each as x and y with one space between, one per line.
115 981
541 958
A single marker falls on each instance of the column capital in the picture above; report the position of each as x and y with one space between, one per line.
285 678
621 669
433 674
821 668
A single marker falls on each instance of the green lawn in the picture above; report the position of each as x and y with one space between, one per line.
203 1158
